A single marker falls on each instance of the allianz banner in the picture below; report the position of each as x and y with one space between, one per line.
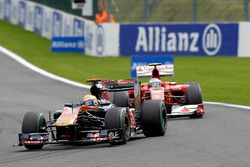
179 39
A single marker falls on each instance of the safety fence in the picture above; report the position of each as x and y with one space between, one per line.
165 10
180 10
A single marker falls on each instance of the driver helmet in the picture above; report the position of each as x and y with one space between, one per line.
154 82
90 100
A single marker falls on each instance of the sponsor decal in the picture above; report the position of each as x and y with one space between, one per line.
38 21
33 142
89 37
179 39
137 60
156 39
7 11
47 28
14 12
57 24
22 13
78 28
132 118
100 39
113 135
67 44
212 39
184 109
164 70
68 25
30 17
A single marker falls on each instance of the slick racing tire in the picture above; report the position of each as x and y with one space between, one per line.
194 96
33 122
154 118
117 119
120 99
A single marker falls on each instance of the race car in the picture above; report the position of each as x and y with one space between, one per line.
95 119
180 99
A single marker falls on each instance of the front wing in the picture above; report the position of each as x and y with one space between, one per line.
91 136
187 110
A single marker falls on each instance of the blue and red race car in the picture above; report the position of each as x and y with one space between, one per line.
96 119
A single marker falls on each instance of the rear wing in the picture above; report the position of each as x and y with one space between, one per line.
120 85
164 70
100 85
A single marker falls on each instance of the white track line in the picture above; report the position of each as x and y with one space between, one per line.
67 81
39 70
228 105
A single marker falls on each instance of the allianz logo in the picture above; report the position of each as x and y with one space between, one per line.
212 39
134 65
158 39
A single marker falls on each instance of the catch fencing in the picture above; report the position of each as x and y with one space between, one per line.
180 10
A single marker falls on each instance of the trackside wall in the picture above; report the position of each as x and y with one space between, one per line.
102 40
184 39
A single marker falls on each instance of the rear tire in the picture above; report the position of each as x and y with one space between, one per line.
120 99
117 118
33 122
154 118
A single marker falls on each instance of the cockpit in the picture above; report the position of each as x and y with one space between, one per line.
154 83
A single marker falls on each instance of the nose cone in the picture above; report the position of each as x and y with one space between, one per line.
68 117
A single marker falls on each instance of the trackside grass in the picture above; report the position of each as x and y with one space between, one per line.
223 79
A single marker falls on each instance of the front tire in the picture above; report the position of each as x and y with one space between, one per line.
33 122
117 118
154 118
194 96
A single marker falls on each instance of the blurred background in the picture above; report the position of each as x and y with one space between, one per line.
165 10
215 53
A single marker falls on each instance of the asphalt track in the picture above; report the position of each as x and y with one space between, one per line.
220 139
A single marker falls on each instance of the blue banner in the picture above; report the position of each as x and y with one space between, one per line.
179 39
22 13
38 20
57 24
145 60
67 44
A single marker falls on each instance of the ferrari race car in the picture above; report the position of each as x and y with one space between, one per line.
96 119
180 99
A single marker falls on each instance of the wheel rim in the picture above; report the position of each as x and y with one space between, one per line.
126 127
41 123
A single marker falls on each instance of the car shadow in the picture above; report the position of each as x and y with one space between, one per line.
92 145
185 118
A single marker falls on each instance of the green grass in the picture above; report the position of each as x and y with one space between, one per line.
223 79
75 66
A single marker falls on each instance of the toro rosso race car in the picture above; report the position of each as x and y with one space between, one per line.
180 99
96 119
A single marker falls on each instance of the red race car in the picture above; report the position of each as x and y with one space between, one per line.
180 99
